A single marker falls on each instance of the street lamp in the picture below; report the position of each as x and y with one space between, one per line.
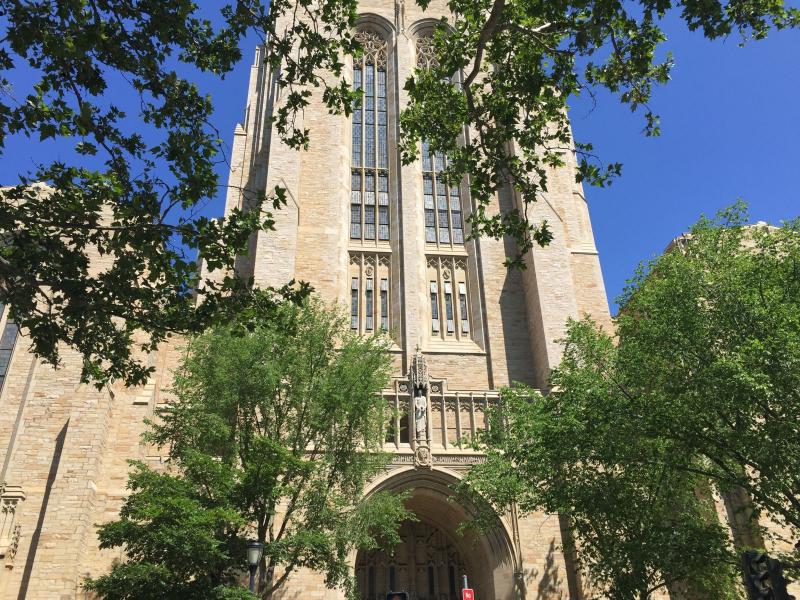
254 551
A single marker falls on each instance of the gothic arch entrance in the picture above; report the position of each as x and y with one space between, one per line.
433 555
427 564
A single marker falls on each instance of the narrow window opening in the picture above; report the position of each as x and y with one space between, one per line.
383 207
404 430
370 305
392 582
385 304
7 342
455 216
355 206
431 588
448 304
354 303
462 307
369 206
435 307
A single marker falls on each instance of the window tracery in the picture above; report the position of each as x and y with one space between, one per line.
369 191
449 304
426 57
370 301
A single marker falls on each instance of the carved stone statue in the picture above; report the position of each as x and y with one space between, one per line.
421 415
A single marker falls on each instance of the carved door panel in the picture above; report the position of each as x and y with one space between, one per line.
425 564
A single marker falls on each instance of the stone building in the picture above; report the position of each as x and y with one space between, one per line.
389 242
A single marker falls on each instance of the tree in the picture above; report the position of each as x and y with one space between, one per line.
138 174
700 391
709 337
638 523
273 435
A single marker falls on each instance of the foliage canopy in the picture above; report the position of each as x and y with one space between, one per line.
699 393
132 187
273 435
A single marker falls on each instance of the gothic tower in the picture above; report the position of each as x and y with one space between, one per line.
387 241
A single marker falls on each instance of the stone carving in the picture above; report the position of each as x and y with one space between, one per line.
400 15
418 378
418 374
10 497
460 459
426 58
374 48
13 546
421 415
422 457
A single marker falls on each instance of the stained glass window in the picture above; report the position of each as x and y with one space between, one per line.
370 154
442 203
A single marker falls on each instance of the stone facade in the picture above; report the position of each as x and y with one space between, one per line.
64 445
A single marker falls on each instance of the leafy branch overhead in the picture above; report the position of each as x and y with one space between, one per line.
134 179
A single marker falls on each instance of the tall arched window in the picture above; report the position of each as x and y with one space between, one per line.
369 195
444 225
451 306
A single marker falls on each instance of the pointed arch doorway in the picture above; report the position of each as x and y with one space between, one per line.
433 557
427 564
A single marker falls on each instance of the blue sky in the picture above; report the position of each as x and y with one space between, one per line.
730 123
730 129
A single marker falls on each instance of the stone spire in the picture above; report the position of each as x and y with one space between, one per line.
418 373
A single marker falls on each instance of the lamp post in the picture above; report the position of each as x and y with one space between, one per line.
254 551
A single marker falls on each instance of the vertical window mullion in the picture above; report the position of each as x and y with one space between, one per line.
435 180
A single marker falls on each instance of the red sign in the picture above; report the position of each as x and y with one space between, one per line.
467 594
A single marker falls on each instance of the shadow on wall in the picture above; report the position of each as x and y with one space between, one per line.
514 314
548 581
51 477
